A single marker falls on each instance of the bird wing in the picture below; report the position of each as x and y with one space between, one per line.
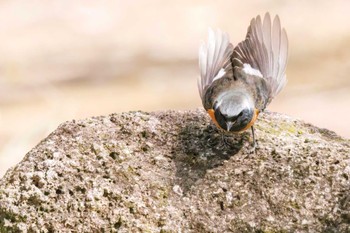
264 53
214 59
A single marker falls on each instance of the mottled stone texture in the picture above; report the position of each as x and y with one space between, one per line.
171 172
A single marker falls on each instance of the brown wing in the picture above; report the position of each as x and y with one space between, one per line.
264 53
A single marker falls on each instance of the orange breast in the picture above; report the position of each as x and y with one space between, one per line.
211 113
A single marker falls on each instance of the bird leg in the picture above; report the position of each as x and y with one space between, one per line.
253 136
254 143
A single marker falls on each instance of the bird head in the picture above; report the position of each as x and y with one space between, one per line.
233 112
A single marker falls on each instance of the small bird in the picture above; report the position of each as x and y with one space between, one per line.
237 83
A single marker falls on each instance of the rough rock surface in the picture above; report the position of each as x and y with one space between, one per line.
171 172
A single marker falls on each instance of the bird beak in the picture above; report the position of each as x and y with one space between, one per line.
229 125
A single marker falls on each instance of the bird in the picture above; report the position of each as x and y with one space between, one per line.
236 83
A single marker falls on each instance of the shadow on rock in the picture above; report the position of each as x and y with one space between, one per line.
201 148
339 222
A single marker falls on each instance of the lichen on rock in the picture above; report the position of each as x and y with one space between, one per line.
170 172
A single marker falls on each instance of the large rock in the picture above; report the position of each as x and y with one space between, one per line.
171 172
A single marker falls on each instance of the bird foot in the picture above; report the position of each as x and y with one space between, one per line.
252 148
251 144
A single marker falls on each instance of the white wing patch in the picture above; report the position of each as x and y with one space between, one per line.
247 68
220 74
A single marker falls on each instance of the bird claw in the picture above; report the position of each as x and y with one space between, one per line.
253 148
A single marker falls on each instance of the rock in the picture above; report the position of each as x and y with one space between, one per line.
171 172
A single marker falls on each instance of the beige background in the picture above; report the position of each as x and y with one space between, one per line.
64 60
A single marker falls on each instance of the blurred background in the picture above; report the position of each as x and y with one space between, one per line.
64 60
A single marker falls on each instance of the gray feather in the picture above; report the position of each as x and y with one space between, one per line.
214 56
265 49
